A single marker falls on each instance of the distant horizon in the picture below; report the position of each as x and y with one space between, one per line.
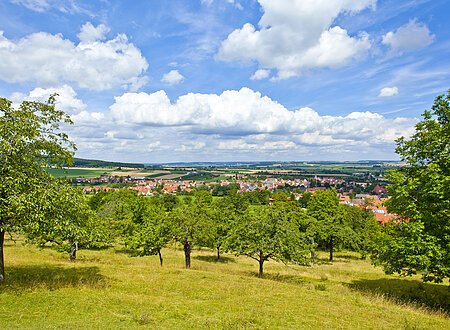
246 162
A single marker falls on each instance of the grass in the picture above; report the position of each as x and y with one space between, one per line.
77 172
109 289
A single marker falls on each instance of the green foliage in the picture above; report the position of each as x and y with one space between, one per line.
365 227
304 200
190 223
219 190
118 213
421 195
166 201
224 213
270 232
333 227
323 204
100 163
152 233
407 248
281 196
258 197
30 141
61 216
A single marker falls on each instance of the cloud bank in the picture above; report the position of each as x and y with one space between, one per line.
248 113
234 125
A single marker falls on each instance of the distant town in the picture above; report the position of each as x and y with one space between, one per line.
359 183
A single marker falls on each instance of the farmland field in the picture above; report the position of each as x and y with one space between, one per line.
109 289
77 172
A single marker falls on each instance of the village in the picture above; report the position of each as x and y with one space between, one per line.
350 192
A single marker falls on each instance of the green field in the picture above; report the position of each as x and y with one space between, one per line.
77 172
108 289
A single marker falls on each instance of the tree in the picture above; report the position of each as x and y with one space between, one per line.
30 141
62 217
225 211
152 234
118 213
304 199
189 223
167 201
420 196
332 228
365 227
269 232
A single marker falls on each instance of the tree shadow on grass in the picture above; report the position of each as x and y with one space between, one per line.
434 296
345 258
223 259
26 278
284 278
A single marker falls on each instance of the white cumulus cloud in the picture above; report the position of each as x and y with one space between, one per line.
409 37
296 34
66 99
173 77
51 60
388 91
248 113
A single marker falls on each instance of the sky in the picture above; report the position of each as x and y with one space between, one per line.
160 81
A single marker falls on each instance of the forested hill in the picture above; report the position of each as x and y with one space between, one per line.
79 162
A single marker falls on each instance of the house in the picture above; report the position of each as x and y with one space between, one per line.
378 190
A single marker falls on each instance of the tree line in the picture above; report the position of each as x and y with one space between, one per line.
282 231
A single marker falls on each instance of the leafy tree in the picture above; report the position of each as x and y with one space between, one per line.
332 228
30 141
152 234
62 218
365 227
167 201
280 196
304 200
97 199
224 213
119 212
269 232
219 190
421 197
258 197
189 223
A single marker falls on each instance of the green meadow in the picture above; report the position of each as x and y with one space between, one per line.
77 172
109 289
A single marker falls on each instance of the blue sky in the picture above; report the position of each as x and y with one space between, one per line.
229 80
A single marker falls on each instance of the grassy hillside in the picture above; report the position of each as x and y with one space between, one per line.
109 289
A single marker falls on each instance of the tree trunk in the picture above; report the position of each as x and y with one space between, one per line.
2 260
218 253
331 249
73 252
187 253
261 264
160 258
